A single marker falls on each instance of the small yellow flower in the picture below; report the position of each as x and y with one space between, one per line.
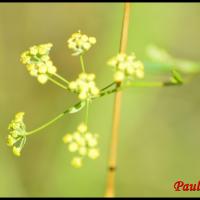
92 40
85 86
34 50
83 143
77 137
83 151
16 151
140 73
45 58
93 153
19 116
92 142
76 162
42 78
119 76
80 43
82 96
34 72
72 85
88 136
10 141
38 62
67 138
94 91
42 69
17 133
126 67
91 77
73 147
130 70
51 69
82 128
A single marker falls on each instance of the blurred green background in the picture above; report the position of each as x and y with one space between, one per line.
160 129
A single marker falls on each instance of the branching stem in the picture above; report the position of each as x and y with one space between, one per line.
61 78
103 93
57 83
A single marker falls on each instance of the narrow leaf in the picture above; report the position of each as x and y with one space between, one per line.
76 108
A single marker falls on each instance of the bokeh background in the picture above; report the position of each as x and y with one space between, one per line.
160 129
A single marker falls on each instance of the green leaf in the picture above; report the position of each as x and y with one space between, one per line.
76 108
161 60
177 77
158 55
187 67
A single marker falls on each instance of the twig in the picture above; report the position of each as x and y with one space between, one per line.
110 190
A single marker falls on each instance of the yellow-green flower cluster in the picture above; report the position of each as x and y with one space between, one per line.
17 130
80 43
85 86
38 62
126 66
82 142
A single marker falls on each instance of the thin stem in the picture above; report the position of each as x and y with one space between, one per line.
78 105
75 108
82 63
46 124
61 78
57 83
108 86
109 91
138 84
145 84
110 190
151 84
135 84
71 109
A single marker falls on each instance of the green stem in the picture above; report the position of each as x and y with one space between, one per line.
22 143
78 106
137 84
82 63
108 86
151 84
57 83
46 125
61 78
144 84
109 92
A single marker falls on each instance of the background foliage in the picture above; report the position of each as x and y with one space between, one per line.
159 134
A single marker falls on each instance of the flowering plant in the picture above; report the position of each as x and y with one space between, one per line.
38 63
128 72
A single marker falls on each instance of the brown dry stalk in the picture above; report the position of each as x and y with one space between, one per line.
110 190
